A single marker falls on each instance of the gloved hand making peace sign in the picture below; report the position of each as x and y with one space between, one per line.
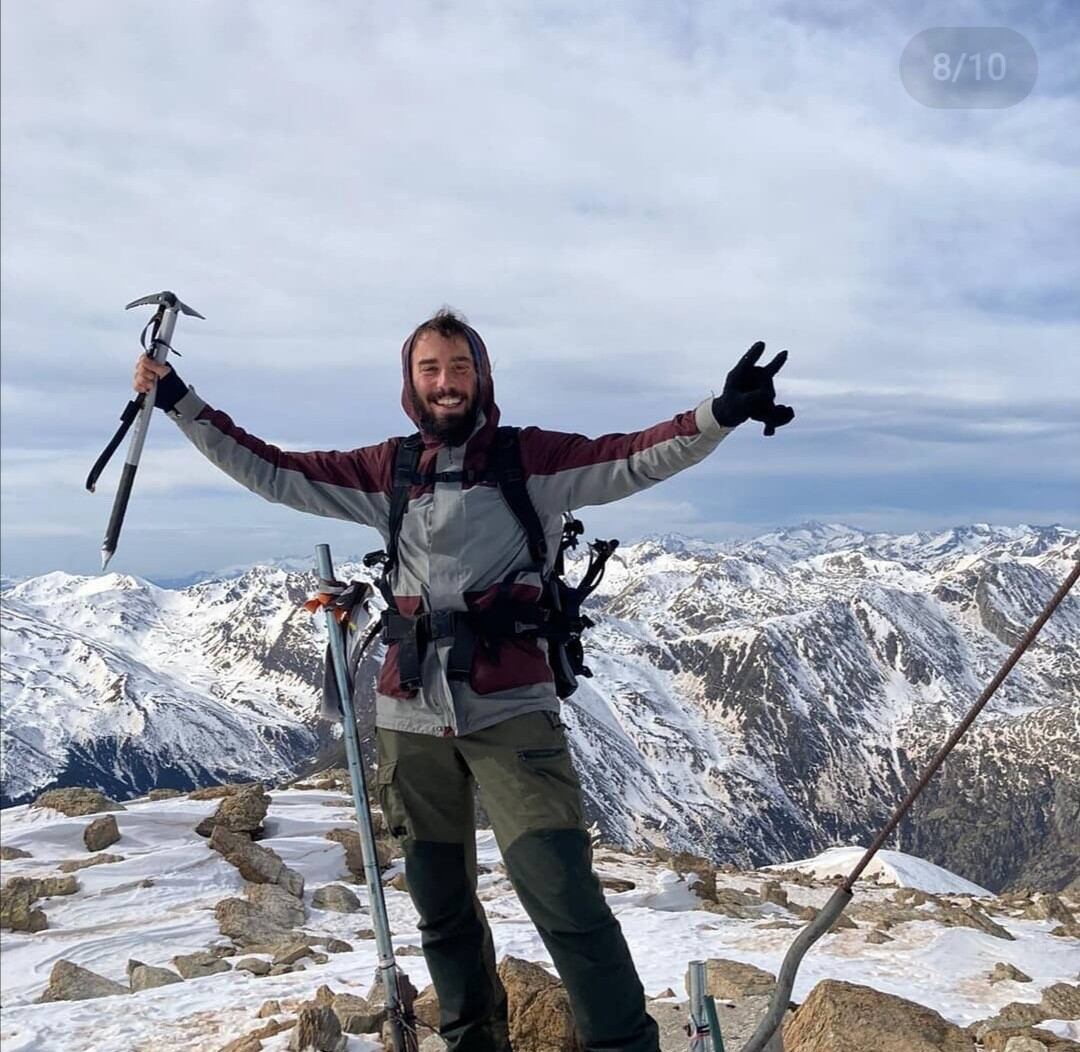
749 393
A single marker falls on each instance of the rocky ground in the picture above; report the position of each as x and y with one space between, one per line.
237 919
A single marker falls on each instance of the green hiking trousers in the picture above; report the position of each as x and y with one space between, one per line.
531 793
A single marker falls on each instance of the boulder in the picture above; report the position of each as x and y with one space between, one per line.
17 910
1024 1044
268 1008
77 801
998 1040
539 1009
772 891
730 902
317 1030
1048 906
18 896
876 937
730 980
699 871
883 915
163 794
617 884
283 909
338 946
147 976
249 925
349 839
292 953
970 916
242 811
9 853
217 792
47 887
254 965
1061 1001
844 1017
1004 971
910 896
196 965
253 1042
376 995
335 897
257 864
70 982
426 1008
72 865
357 1015
101 833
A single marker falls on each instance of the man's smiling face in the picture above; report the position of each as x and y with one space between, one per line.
445 386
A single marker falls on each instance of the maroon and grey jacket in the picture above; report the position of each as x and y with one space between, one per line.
458 542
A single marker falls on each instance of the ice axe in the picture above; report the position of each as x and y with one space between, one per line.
156 342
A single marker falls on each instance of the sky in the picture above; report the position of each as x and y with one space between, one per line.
621 197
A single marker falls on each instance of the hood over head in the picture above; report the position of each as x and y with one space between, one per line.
487 419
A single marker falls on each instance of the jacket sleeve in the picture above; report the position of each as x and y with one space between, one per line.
353 485
565 471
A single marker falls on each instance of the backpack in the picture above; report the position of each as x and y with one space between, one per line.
556 617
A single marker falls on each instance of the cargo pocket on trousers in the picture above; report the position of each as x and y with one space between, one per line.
550 793
390 801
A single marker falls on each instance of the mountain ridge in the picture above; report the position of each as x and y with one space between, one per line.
753 700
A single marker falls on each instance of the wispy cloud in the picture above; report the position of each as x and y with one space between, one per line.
621 197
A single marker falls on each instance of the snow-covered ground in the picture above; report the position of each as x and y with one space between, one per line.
116 916
887 867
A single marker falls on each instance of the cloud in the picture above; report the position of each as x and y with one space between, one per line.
621 197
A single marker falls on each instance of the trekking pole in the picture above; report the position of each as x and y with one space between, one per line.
832 909
138 412
398 1007
704 1025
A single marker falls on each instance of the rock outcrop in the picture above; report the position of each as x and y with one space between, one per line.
844 1017
77 801
70 982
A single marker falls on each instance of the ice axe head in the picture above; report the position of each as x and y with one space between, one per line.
165 299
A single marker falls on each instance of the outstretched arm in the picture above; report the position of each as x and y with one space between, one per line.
567 471
351 485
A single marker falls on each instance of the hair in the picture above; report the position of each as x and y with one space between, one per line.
447 322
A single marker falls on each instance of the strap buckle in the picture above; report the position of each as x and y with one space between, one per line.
442 624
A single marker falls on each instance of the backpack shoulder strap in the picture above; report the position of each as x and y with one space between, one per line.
405 464
510 477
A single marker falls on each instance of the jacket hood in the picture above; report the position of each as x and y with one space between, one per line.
487 419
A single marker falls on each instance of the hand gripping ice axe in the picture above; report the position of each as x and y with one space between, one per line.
156 342
397 988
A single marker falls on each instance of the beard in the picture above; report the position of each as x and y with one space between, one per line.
454 430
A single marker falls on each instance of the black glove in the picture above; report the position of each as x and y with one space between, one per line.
749 393
170 389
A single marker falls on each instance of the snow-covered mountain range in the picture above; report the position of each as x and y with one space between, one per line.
753 701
